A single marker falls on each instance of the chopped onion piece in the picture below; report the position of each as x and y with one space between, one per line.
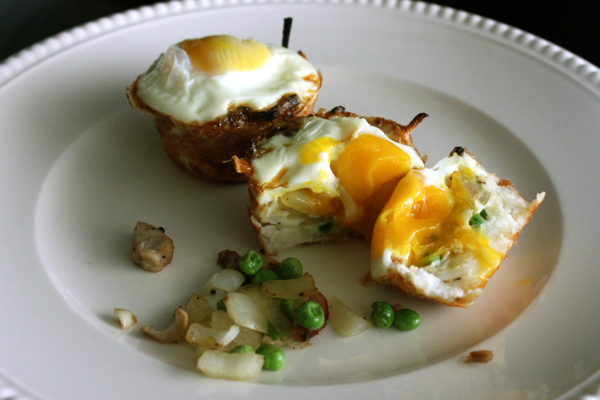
198 309
220 320
126 318
200 335
172 333
214 296
344 320
291 288
245 312
216 364
226 279
271 308
246 336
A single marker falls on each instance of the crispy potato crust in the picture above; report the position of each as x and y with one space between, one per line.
206 149
395 131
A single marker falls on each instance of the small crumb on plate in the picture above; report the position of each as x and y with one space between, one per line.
480 356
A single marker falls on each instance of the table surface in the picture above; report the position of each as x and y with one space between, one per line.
572 25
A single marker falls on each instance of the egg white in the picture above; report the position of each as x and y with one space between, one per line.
283 152
174 87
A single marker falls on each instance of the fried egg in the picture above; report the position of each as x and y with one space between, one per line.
324 179
198 80
445 230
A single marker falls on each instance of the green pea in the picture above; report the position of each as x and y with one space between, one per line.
326 227
407 319
251 263
287 306
274 357
290 268
430 257
476 220
244 348
221 305
382 315
484 214
310 315
272 332
264 275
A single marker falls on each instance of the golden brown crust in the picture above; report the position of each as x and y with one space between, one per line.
393 130
206 149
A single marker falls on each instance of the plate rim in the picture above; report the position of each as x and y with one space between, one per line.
568 63
582 70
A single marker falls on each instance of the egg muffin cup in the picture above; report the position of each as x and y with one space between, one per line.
211 97
445 230
288 220
206 150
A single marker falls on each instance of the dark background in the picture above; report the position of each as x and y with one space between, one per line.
573 25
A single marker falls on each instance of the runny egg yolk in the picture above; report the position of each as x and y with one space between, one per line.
369 169
216 55
421 223
309 152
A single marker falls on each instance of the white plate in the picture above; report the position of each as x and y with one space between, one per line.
78 169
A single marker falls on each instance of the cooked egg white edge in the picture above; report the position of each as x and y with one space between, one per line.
431 285
316 176
172 86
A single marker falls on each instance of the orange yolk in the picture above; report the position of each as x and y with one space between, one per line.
369 169
216 55
420 223
309 152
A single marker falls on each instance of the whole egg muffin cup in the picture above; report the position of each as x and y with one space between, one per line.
326 177
211 98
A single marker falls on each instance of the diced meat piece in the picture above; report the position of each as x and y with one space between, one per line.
152 249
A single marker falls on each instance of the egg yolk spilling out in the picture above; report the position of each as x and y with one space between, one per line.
420 223
309 153
369 168
216 55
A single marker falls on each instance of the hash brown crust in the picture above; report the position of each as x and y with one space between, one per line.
206 149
